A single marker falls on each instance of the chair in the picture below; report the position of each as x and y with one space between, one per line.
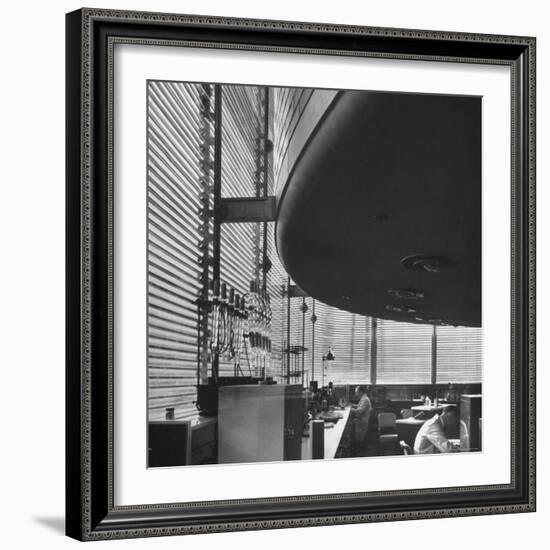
388 440
386 423
406 413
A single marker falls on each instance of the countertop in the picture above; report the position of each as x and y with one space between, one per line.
333 436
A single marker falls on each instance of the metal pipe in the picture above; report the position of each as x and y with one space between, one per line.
265 182
217 196
303 337
313 321
180 240
288 331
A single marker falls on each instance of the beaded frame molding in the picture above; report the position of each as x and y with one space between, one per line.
90 510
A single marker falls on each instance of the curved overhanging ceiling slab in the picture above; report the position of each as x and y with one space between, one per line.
381 214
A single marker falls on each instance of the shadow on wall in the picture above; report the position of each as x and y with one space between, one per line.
56 524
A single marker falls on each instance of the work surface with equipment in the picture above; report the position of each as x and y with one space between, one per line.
261 422
292 313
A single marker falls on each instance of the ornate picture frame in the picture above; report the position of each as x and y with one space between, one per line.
91 511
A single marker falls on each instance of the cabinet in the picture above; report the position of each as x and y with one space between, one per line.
169 443
470 422
260 423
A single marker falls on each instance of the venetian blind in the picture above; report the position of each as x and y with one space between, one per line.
289 105
276 278
241 127
173 172
349 337
404 353
459 354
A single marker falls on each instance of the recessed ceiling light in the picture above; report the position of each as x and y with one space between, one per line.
428 264
407 293
400 309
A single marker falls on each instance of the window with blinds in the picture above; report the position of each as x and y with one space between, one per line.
276 283
173 172
176 118
241 128
289 104
404 353
349 337
459 354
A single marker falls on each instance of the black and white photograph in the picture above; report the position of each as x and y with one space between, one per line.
314 274
300 270
272 275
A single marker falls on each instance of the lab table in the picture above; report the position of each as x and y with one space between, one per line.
335 437
429 408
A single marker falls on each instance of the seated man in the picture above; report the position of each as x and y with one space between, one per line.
330 395
433 435
360 415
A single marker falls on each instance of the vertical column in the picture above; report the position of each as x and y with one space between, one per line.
304 311
260 229
313 321
206 198
266 149
217 191
288 331
373 350
434 355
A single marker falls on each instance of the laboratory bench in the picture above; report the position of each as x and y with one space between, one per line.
337 438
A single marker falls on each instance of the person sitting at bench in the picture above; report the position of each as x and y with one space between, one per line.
433 435
360 415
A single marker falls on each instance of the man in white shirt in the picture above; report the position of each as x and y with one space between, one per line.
432 436
360 414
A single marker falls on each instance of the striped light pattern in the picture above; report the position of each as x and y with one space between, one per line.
173 171
289 104
459 353
276 279
404 351
276 283
241 126
348 335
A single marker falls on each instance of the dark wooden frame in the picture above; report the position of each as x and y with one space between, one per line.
91 514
